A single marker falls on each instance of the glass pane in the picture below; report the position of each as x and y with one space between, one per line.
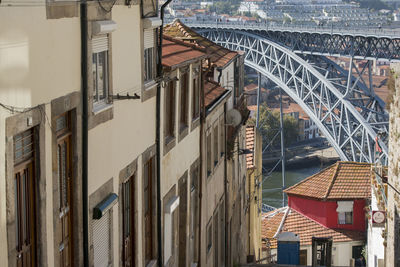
61 123
59 160
24 208
17 209
149 8
101 77
342 218
95 85
64 173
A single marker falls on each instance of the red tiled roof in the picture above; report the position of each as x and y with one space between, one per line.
250 141
219 55
176 53
342 180
271 222
212 92
304 227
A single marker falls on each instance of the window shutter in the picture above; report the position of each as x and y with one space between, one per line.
101 241
148 38
99 44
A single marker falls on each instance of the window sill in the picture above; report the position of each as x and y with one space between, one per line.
148 90
169 143
183 132
149 85
195 123
100 107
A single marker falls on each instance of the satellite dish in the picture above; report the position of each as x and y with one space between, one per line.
233 117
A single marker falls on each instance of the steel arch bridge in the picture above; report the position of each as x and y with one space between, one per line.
359 43
342 106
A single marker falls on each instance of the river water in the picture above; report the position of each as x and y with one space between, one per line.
273 184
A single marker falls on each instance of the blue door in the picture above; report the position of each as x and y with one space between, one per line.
288 252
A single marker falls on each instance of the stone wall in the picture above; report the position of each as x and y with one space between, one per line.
394 171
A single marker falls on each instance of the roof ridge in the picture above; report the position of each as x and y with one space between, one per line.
282 221
335 175
308 178
180 42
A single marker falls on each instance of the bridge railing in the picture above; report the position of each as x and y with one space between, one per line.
267 208
342 30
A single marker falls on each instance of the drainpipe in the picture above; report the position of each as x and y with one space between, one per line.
226 193
158 125
219 76
85 131
202 121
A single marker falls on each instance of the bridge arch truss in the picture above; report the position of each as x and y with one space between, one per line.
348 116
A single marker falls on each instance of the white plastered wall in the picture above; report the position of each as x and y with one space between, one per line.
39 61
111 150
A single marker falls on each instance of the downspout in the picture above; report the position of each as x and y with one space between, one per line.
219 76
226 192
158 125
85 131
202 121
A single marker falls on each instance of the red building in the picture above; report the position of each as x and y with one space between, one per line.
334 197
328 204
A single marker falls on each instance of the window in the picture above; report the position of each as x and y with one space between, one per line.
169 228
345 217
24 183
102 240
65 171
184 101
216 136
149 72
222 136
128 241
216 237
149 8
100 77
209 154
194 214
149 209
170 110
209 236
196 98
345 212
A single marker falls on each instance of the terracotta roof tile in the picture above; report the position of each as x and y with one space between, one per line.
342 180
250 142
212 92
175 52
271 222
305 228
219 55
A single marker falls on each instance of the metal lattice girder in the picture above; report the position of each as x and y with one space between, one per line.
348 128
357 43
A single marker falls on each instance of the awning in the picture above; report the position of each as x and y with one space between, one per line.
344 206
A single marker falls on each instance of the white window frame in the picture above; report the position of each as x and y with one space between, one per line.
149 55
100 46
343 209
169 222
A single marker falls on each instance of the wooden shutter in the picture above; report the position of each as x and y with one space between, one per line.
148 38
99 43
101 240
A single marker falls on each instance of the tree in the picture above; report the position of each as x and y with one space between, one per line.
270 124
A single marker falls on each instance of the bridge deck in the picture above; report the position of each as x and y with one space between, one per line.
349 31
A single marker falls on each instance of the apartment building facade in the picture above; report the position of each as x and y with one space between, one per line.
42 159
84 181
180 150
